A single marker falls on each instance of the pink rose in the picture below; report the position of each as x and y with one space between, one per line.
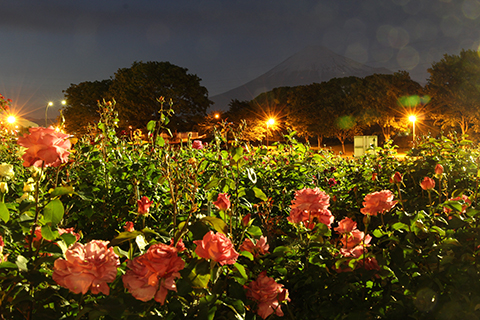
378 202
87 267
355 238
268 294
197 144
151 275
427 183
216 246
45 146
223 202
144 205
258 248
438 169
310 200
322 216
3 257
346 225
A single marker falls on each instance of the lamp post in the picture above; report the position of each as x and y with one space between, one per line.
50 104
413 118
270 122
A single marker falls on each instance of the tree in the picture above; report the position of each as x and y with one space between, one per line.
82 104
454 88
137 91
385 100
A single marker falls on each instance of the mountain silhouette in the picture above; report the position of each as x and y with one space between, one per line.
314 64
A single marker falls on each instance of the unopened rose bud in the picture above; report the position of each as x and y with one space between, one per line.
396 178
3 187
438 169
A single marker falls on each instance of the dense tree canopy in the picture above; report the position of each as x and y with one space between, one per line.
82 104
137 91
385 100
454 86
138 88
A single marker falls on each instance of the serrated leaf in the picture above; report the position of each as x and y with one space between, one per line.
4 213
53 212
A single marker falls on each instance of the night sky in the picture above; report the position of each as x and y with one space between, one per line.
46 45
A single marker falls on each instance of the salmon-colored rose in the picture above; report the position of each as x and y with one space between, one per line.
45 146
258 248
346 225
378 202
151 275
268 294
144 205
223 202
216 246
310 200
438 169
129 227
87 267
427 183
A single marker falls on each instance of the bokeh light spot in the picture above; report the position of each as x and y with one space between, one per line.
471 9
408 58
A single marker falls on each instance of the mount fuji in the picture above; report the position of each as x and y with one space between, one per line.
314 64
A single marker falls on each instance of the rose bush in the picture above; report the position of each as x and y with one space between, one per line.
304 234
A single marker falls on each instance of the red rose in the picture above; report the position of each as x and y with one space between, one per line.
87 267
438 169
144 205
151 275
427 183
268 294
45 146
216 246
223 202
197 144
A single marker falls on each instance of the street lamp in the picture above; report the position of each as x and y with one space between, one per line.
270 122
50 104
413 118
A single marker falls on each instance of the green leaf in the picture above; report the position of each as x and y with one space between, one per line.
151 125
48 234
68 238
400 226
160 141
60 191
241 270
53 212
124 236
4 213
247 254
212 183
254 231
216 223
260 194
8 265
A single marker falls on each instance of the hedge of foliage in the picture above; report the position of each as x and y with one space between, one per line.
114 227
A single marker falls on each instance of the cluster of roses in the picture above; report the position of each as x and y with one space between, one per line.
309 207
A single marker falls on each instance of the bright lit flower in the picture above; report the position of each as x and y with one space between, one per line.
223 202
45 146
87 267
268 294
3 187
346 225
378 202
6 171
427 183
197 144
216 246
152 275
144 205
310 200
260 247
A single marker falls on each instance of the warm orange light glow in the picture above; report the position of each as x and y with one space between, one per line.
11 119
412 118
217 116
270 122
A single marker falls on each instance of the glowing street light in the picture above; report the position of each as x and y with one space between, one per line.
50 104
270 122
11 119
217 116
413 118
